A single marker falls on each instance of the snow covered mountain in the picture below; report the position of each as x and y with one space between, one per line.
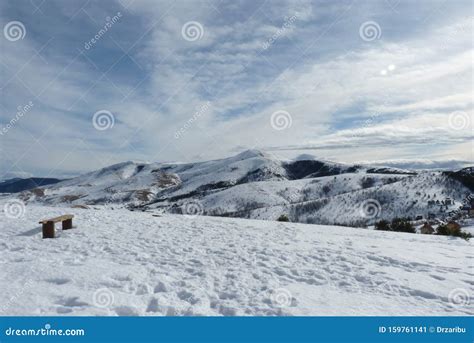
16 185
254 184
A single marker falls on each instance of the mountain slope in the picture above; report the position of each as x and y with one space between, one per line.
465 176
128 182
254 184
389 197
16 185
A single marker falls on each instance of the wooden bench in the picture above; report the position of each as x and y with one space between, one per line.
48 224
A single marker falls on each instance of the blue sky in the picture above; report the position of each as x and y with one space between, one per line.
342 80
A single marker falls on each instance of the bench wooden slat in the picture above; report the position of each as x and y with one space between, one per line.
57 219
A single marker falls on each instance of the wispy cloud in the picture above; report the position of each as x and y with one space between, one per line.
390 97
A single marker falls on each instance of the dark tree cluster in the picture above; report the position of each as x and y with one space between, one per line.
446 230
397 225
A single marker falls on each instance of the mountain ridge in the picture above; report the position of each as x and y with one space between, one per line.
255 184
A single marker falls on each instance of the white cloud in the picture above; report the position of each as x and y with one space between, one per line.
330 91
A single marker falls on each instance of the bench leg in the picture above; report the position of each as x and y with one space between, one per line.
67 224
48 230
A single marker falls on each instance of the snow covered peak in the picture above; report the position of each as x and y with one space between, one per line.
123 170
467 170
15 175
251 153
304 157
258 185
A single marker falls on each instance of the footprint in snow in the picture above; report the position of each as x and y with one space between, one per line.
160 287
188 297
143 289
126 311
58 281
153 305
122 277
73 302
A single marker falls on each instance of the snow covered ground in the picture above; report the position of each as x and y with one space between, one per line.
117 262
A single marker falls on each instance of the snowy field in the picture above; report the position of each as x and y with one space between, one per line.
116 262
